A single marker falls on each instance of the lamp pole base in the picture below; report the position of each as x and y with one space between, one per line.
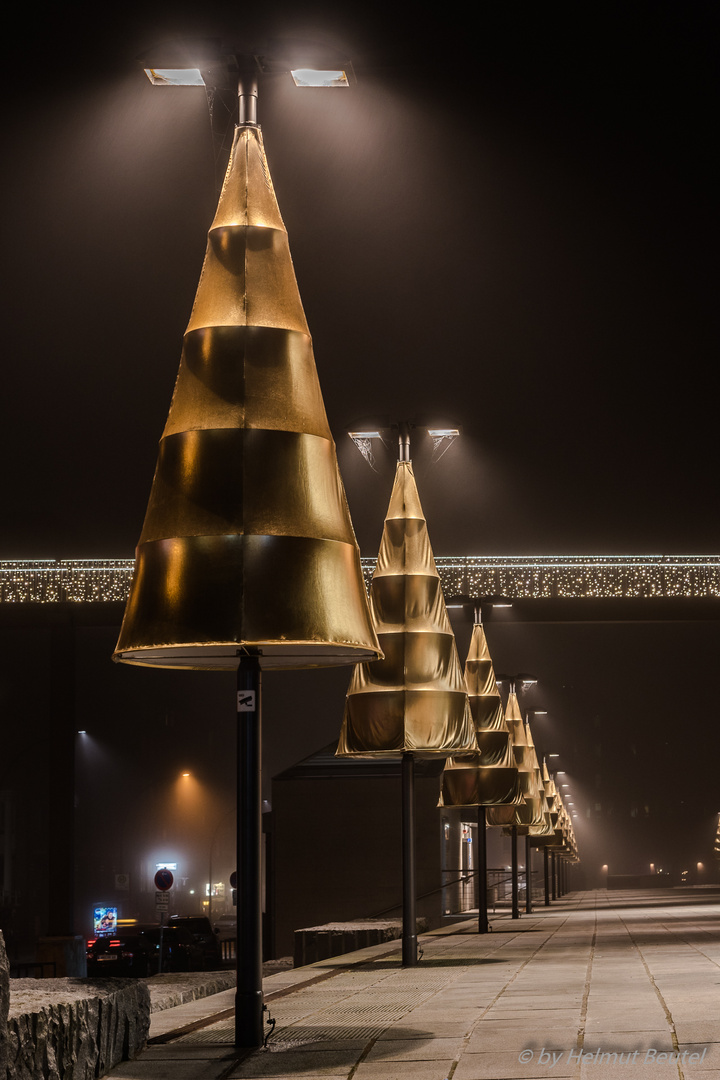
249 1029
409 934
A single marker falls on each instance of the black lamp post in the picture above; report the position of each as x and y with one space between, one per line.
523 680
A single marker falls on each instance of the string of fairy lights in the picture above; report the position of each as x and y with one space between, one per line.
49 581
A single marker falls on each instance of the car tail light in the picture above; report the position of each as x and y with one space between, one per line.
116 942
91 942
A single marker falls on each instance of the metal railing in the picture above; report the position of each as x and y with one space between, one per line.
499 888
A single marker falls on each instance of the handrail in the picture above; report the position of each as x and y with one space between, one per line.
465 877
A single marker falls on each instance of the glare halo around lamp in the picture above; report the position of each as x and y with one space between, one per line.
247 558
414 701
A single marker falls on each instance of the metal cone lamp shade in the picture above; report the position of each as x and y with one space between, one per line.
415 699
247 545
489 777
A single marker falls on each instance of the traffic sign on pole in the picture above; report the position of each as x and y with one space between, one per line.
164 880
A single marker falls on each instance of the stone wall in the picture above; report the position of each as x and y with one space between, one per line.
335 939
4 1005
77 1028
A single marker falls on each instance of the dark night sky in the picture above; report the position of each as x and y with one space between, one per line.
509 223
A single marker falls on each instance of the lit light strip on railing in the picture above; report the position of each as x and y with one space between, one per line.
48 581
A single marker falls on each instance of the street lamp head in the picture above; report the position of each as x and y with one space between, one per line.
522 680
190 76
364 434
442 438
315 77
217 65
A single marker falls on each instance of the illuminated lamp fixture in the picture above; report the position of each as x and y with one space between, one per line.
175 76
313 77
363 437
364 440
247 558
222 69
474 605
521 681
442 438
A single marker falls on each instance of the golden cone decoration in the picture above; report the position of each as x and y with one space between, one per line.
489 777
529 812
247 543
544 828
415 698
551 794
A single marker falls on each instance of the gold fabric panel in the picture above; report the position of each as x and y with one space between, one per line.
259 375
247 541
289 482
415 698
476 787
217 592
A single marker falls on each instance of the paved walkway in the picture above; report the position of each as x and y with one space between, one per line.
598 986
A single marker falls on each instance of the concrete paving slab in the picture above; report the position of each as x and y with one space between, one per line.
171 1019
709 1053
401 1070
423 1031
297 1063
700 1031
506 1066
632 1071
188 1065
429 1049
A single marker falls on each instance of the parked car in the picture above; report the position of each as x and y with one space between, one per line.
226 927
180 951
124 954
203 936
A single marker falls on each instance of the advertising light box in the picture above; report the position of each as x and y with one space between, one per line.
105 921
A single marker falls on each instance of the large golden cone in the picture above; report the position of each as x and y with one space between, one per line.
415 698
489 777
247 540
530 811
